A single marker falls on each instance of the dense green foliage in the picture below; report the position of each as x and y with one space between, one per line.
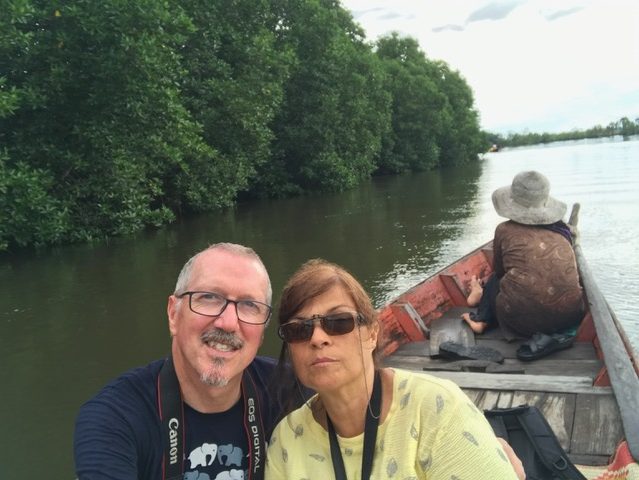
328 131
236 65
116 116
624 127
433 122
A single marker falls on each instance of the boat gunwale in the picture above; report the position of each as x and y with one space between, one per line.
621 368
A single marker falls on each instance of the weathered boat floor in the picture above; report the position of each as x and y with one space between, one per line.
584 418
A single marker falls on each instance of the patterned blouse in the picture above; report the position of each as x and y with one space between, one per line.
432 431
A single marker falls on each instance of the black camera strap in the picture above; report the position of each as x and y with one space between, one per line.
370 435
171 410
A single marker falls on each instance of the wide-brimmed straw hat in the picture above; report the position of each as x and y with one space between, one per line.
528 200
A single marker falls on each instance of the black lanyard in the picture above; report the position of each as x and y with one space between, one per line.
370 435
171 409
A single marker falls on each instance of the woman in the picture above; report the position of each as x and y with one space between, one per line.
535 291
365 421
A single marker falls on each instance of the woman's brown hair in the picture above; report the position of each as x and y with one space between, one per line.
316 277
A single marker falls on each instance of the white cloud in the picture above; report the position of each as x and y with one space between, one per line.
532 64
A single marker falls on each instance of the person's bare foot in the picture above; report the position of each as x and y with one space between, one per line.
476 291
476 327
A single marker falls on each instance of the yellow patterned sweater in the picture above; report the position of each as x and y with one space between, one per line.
432 431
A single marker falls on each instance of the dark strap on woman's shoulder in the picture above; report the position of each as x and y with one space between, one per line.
373 415
336 454
370 435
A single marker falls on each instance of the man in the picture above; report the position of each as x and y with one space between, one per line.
140 427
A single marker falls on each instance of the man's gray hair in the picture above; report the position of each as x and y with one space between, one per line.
185 274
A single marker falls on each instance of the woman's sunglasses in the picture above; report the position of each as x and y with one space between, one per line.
297 331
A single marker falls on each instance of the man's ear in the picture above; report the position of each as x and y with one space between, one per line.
171 311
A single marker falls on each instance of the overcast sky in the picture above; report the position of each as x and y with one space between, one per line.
537 65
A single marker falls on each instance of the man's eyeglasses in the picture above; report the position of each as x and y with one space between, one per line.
301 330
212 304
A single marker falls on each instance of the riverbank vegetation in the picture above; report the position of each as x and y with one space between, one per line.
117 116
624 127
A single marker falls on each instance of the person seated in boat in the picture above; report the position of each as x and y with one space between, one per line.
366 421
535 290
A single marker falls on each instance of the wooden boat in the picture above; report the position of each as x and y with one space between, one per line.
589 393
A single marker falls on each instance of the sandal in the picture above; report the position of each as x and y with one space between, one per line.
541 345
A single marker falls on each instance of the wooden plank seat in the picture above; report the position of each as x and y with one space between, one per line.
533 383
